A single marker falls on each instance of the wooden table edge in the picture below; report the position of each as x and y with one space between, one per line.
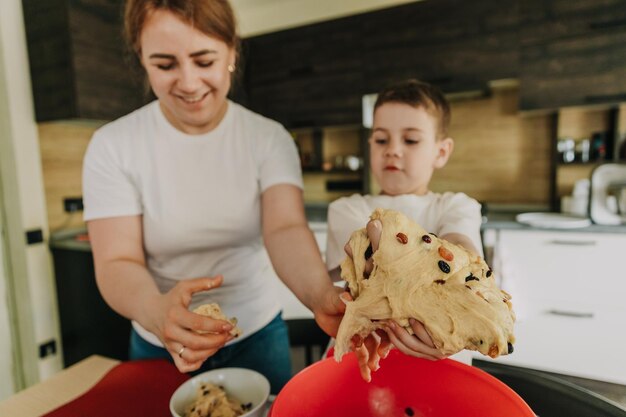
59 389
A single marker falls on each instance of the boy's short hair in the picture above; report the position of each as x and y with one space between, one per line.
417 93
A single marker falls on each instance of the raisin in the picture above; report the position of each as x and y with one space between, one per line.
444 266
509 346
446 254
426 239
246 406
489 273
440 281
471 277
402 238
368 252
494 351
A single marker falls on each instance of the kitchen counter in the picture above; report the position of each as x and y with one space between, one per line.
506 220
494 219
76 380
58 390
67 239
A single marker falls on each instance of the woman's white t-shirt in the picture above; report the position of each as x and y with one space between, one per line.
437 213
200 201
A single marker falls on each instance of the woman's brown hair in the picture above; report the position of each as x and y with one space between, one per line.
214 18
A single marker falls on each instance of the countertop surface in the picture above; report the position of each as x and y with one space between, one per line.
59 389
506 220
316 213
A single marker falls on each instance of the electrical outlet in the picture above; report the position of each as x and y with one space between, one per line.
73 204
47 349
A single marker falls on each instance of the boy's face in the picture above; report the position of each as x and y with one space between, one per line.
404 149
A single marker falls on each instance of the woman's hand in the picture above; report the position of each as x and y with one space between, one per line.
419 344
189 337
376 345
369 351
329 311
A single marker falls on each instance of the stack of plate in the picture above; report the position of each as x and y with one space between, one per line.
553 220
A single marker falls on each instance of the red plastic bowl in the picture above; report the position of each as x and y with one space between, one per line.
403 386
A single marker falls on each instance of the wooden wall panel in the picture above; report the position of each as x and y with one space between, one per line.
315 186
63 146
500 155
580 123
568 175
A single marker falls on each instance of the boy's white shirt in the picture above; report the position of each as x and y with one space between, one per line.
438 213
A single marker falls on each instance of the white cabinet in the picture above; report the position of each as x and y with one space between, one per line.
568 292
566 271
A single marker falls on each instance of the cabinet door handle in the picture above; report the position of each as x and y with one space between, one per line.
577 314
572 242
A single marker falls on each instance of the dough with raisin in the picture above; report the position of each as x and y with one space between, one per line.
452 291
214 311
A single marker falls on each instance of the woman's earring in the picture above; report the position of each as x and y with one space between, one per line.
231 68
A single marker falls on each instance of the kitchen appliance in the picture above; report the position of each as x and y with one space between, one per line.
607 197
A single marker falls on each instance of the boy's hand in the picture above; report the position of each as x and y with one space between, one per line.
419 344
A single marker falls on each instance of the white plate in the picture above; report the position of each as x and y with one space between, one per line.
553 220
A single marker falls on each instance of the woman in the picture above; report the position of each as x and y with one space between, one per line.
184 196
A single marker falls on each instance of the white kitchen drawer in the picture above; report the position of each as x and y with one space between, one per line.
589 347
568 293
570 272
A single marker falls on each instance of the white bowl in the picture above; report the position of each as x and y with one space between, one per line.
246 385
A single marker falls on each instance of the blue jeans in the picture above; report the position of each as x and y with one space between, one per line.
266 351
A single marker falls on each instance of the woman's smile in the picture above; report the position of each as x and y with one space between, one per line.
192 99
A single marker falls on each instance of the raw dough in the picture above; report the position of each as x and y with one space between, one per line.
214 311
212 401
461 309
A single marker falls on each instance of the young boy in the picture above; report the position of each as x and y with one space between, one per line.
409 141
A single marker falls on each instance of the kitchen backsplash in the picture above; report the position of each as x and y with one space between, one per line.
501 156
63 145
